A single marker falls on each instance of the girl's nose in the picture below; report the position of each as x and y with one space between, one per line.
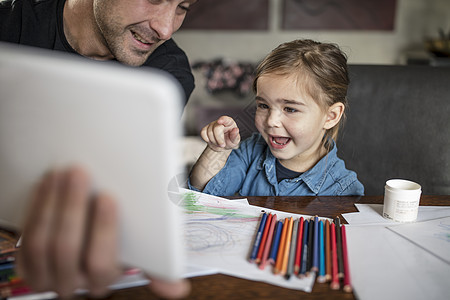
273 119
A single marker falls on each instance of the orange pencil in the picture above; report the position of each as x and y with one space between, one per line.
263 239
347 281
327 251
287 247
334 269
279 260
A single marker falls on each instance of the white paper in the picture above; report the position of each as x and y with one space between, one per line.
433 236
387 266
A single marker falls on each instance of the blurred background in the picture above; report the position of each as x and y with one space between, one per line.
224 40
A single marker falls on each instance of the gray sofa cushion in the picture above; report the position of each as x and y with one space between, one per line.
398 126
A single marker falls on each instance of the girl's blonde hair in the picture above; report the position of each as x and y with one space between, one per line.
321 69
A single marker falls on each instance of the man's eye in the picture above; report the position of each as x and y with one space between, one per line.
186 8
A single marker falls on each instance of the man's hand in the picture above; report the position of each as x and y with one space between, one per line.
70 239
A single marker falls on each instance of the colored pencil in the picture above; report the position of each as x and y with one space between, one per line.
305 248
268 244
275 243
258 236
290 267
347 281
279 260
287 247
321 277
339 248
298 252
315 252
334 269
263 239
310 247
327 251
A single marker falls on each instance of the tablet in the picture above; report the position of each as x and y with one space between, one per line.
121 123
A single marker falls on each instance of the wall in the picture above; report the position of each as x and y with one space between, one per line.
415 21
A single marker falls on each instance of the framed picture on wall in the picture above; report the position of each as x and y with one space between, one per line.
338 14
228 15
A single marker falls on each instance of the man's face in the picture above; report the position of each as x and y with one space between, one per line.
133 29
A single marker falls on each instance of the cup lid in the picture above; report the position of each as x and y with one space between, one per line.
403 184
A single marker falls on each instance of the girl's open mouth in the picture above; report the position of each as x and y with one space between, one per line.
279 142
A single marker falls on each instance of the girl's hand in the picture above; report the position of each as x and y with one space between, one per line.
222 134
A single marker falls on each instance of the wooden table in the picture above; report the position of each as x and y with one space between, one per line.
227 287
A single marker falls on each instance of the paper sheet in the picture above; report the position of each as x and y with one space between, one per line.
433 236
387 266
219 233
388 263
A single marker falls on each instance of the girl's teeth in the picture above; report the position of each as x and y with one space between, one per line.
280 140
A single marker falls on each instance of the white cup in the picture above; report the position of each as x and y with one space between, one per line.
401 200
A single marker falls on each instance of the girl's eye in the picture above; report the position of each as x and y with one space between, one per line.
290 110
262 106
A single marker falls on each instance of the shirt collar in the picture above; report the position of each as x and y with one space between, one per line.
315 177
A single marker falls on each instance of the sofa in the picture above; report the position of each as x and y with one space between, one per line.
397 125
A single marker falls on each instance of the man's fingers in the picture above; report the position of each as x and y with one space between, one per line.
101 252
70 228
170 290
33 257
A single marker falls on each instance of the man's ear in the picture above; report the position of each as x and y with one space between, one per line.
334 115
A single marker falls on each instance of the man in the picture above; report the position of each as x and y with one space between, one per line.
69 241
133 32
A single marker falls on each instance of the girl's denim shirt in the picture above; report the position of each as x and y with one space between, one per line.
250 171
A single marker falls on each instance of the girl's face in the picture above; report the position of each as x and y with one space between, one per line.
290 121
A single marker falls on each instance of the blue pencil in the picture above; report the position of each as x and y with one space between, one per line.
276 242
315 259
257 241
321 277
309 256
305 248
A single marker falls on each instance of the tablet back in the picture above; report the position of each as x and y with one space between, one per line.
120 123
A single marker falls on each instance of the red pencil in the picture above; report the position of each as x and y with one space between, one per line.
347 281
263 239
268 244
279 260
327 251
335 278
298 253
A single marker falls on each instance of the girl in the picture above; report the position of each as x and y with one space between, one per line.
301 90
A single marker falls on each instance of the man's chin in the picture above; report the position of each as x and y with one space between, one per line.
133 60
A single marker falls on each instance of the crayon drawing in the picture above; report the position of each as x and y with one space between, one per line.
216 225
219 234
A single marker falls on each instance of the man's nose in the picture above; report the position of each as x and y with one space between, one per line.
163 22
